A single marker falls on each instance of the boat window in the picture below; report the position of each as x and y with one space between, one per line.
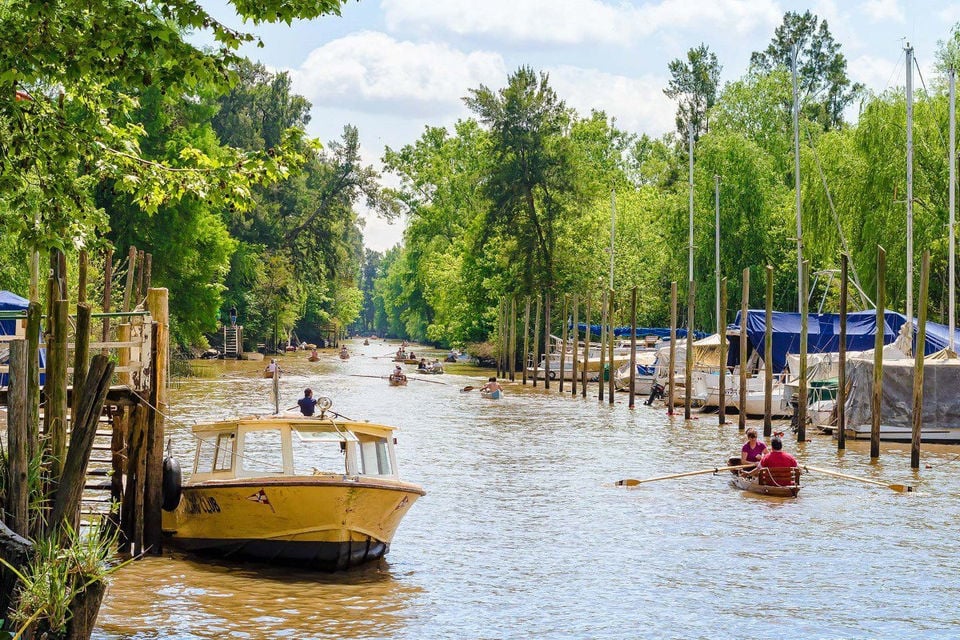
318 452
262 452
223 456
375 457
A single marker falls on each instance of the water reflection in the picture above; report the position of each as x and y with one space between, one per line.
521 533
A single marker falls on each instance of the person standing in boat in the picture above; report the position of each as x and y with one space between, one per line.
753 449
307 403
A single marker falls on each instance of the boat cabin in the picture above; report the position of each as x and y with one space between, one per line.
278 446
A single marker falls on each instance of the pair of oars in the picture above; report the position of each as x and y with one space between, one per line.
631 482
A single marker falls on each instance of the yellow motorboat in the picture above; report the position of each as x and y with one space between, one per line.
320 492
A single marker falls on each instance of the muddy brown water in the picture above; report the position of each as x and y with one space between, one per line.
523 535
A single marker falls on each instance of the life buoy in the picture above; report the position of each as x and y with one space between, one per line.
553 375
171 487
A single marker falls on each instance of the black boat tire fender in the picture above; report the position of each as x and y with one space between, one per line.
171 487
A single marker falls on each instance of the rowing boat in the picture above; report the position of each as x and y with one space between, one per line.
491 395
770 481
398 380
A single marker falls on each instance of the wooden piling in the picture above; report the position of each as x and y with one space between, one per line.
576 344
526 340
81 353
688 380
18 486
804 336
671 373
768 358
586 351
546 340
742 391
842 364
131 272
603 344
610 384
536 341
158 304
563 338
512 358
633 346
918 361
55 388
107 281
877 398
34 320
721 330
83 261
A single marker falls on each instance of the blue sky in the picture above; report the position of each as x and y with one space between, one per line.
392 67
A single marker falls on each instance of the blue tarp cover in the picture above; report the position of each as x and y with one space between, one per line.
660 332
823 334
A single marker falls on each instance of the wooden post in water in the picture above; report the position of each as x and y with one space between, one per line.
688 380
107 281
804 331
546 340
586 351
842 364
513 339
536 341
18 486
576 344
158 304
610 385
563 338
744 308
877 398
918 361
501 348
526 340
768 358
633 346
721 329
603 344
672 364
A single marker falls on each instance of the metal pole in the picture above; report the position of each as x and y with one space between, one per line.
613 230
953 190
796 176
716 249
690 248
910 184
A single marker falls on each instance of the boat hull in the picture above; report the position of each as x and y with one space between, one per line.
753 485
491 395
324 522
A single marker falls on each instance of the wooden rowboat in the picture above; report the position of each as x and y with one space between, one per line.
491 395
771 481
397 380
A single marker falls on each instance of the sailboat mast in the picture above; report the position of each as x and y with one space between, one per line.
796 177
716 250
613 229
690 251
909 50
953 190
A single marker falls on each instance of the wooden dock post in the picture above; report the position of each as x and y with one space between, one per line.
742 391
55 387
536 341
512 358
158 304
18 486
526 340
107 278
81 353
842 364
546 340
563 338
576 344
610 384
721 330
586 351
688 380
603 344
34 320
768 358
877 398
918 361
671 373
633 346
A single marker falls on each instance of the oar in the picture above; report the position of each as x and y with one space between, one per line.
630 482
896 487
360 375
430 381
466 388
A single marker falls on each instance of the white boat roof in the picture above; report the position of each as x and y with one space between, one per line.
296 422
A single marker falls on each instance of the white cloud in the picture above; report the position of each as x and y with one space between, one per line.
878 74
577 21
950 14
881 10
372 72
638 104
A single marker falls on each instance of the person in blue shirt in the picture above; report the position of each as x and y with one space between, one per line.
307 403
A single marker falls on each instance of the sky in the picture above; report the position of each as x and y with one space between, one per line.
393 67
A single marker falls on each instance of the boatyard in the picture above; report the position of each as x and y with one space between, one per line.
522 517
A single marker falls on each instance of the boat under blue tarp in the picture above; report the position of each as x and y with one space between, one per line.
823 333
8 326
660 332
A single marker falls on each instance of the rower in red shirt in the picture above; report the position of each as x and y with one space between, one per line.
777 457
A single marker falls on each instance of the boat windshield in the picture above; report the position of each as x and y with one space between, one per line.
322 452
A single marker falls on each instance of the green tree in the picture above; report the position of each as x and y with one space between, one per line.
693 84
825 89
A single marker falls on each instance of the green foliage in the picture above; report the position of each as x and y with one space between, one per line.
694 85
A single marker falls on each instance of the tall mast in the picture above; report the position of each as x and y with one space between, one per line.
613 229
690 251
909 184
716 249
796 177
953 190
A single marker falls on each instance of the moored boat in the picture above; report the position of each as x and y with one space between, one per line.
320 492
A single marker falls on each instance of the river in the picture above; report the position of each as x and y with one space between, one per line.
523 535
